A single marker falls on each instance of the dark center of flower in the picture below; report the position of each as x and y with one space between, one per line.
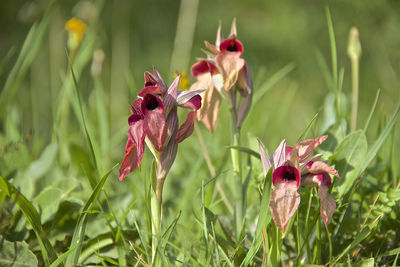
149 83
232 47
289 174
151 102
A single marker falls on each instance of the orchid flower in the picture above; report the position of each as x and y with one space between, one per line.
154 121
290 170
224 72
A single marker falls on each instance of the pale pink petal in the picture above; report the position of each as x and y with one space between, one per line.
189 99
306 147
266 162
229 64
320 167
279 156
283 204
130 160
186 128
211 101
328 204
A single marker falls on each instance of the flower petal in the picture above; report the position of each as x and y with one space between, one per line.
328 204
279 156
186 128
283 204
201 67
320 167
154 120
231 45
151 90
130 160
189 99
137 134
266 162
229 64
306 147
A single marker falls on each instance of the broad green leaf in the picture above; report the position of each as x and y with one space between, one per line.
43 164
79 233
16 254
348 157
48 201
32 217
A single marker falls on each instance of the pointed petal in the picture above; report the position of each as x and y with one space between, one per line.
266 163
171 96
328 204
233 28
186 128
283 204
279 156
219 35
149 79
130 160
159 80
211 47
190 99
321 167
306 147
137 134
211 101
154 120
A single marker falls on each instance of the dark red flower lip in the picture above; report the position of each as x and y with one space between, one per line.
201 67
287 174
231 45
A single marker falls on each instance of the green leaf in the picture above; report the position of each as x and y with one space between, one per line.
247 150
79 233
48 201
16 254
263 220
348 157
32 217
43 164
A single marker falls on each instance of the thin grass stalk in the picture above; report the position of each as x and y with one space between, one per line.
211 169
354 53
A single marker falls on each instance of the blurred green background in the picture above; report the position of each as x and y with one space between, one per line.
136 35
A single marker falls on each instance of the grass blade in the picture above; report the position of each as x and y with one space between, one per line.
372 110
269 83
79 233
33 217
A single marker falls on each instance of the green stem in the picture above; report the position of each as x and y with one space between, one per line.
237 171
355 79
156 229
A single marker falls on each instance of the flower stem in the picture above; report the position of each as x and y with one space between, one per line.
354 101
156 212
237 171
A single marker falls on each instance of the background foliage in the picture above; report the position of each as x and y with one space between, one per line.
44 149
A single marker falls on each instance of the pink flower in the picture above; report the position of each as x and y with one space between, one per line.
154 115
224 72
291 171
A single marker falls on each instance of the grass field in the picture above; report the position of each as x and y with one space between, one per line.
65 97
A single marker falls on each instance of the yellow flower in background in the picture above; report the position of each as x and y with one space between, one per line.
184 82
76 29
